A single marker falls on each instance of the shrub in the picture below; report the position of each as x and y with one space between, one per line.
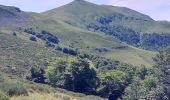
70 51
3 96
53 39
36 74
33 38
66 98
16 90
14 34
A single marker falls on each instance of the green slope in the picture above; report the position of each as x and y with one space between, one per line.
88 41
125 24
21 49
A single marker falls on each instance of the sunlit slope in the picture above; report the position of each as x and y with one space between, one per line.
83 13
127 25
91 42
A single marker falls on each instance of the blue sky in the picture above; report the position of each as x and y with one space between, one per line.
157 9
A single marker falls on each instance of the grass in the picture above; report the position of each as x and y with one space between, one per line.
88 41
54 96
27 53
36 91
82 13
18 55
3 96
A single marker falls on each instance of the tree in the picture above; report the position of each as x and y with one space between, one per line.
133 91
72 74
162 73
36 74
112 84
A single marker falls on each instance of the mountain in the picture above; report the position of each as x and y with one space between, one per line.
64 34
12 15
117 43
125 24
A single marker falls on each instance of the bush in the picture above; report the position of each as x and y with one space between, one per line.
33 38
16 90
36 74
3 96
14 34
53 39
70 51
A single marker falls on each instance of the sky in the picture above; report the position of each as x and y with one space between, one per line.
157 9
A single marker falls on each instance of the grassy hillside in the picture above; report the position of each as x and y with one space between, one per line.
125 24
21 89
70 36
13 15
103 38
92 42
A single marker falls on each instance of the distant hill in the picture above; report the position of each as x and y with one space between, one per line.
75 36
13 15
123 23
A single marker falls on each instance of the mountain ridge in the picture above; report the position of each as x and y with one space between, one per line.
123 23
77 38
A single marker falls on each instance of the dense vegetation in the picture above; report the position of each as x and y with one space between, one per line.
155 41
148 41
49 39
125 82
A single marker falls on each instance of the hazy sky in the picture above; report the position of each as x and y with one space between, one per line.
157 9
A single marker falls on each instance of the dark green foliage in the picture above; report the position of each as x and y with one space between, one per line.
75 75
59 48
139 89
162 73
53 39
133 91
155 41
105 20
119 47
65 50
80 75
32 38
142 72
112 84
151 84
14 34
101 62
50 37
48 44
30 31
70 51
86 78
102 49
36 74
124 34
47 37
